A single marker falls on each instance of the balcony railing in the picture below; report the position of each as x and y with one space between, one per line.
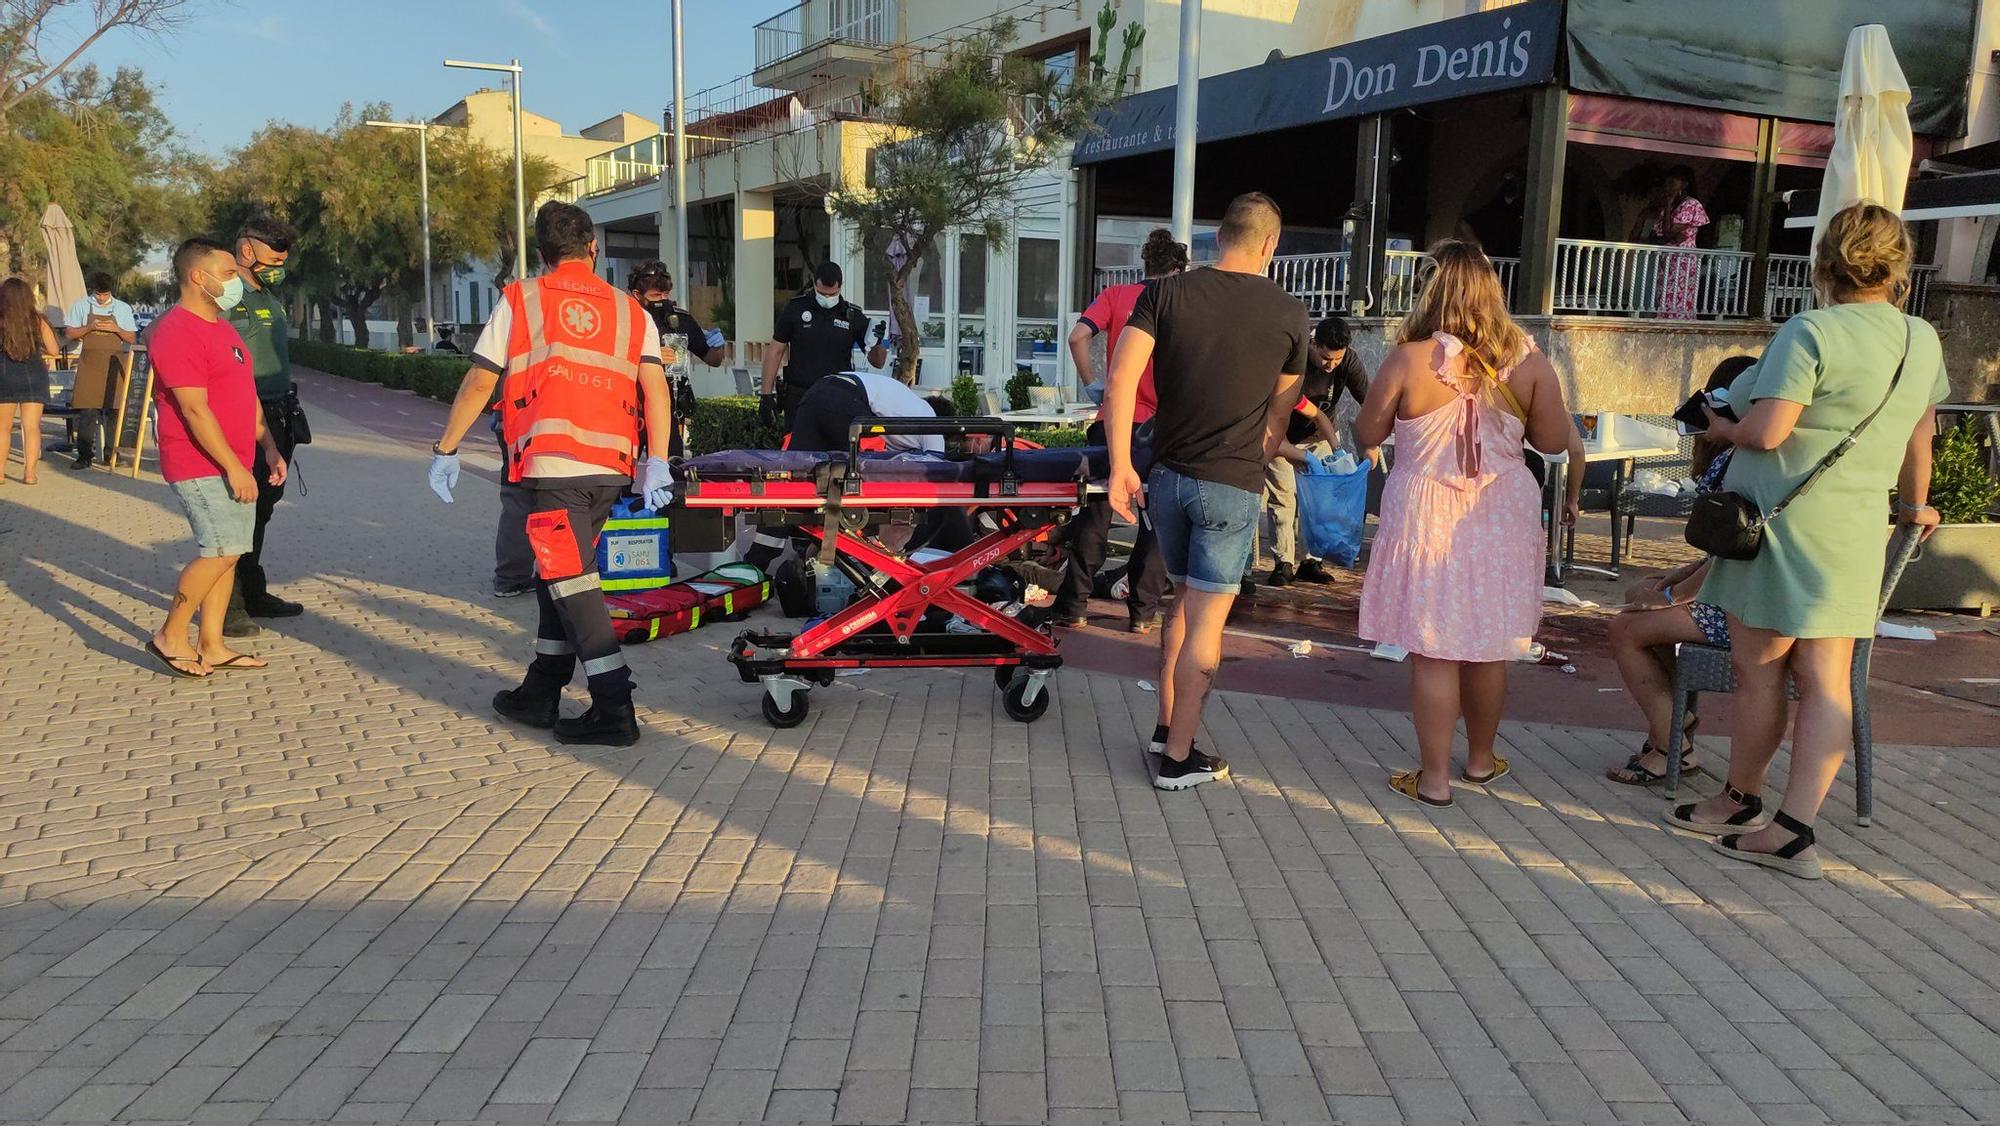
1592 278
604 174
1788 287
809 24
1657 282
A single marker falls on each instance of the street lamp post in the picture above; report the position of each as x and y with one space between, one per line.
424 202
513 71
680 164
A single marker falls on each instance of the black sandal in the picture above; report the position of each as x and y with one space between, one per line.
1752 807
1640 776
1786 859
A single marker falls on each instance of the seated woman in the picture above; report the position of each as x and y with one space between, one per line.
1662 612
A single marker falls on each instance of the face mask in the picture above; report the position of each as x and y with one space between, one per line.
231 295
268 276
826 300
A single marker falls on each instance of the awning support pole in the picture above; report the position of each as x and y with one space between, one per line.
1185 99
1369 246
1548 142
1763 198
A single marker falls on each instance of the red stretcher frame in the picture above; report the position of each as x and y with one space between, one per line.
1027 511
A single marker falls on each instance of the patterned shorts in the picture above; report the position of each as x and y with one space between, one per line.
1714 623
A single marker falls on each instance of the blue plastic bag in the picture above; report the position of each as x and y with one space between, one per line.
1333 506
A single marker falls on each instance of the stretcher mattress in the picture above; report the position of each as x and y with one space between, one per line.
1081 463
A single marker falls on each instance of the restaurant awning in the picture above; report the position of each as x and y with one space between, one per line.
1768 58
1947 197
1490 51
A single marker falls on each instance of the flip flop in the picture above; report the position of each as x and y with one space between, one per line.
237 662
173 664
1499 771
1404 782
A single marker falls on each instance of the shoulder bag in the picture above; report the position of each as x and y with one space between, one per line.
1729 525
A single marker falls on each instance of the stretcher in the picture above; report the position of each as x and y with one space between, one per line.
847 501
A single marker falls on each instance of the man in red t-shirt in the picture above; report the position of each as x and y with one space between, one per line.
210 428
1090 532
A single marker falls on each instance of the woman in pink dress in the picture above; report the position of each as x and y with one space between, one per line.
1455 573
1676 221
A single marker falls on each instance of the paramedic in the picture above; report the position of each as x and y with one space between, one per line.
577 361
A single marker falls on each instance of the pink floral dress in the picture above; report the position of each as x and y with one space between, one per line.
1680 274
1456 568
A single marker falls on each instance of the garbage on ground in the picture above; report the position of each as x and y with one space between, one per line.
1147 686
1389 652
1558 594
1901 632
1301 648
1656 483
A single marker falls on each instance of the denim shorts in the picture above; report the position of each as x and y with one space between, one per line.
222 524
1204 529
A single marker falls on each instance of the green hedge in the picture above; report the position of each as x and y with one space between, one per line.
729 422
432 376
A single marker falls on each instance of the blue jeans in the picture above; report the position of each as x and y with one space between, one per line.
1205 529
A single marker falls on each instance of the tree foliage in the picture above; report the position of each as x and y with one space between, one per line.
42 40
970 127
99 146
352 195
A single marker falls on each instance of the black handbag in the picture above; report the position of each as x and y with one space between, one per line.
295 420
1730 525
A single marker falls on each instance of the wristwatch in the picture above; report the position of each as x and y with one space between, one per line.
435 449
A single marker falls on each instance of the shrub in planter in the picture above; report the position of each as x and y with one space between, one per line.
729 423
1958 568
1017 388
965 396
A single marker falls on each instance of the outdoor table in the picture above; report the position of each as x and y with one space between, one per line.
1074 414
1615 438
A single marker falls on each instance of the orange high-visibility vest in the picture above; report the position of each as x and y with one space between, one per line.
571 388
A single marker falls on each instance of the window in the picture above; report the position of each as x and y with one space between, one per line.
1036 277
971 276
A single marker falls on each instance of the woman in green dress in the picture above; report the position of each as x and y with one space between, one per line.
1800 605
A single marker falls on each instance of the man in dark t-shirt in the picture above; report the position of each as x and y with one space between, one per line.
1332 368
1228 349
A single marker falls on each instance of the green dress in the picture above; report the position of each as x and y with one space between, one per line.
1820 571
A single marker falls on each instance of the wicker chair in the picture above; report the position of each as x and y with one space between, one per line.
1704 668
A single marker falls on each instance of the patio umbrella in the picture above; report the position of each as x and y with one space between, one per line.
1871 129
63 284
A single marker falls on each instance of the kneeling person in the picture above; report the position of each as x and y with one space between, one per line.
581 365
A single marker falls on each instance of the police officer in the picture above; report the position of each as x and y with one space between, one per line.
680 336
263 245
579 365
816 335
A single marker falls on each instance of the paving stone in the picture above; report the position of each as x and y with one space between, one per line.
543 1072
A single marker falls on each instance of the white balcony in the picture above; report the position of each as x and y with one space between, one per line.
821 39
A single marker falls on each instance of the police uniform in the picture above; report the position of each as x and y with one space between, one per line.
818 342
568 348
261 320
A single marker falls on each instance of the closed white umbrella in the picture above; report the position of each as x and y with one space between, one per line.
63 283
1871 129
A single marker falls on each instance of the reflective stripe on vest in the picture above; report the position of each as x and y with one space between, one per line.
571 384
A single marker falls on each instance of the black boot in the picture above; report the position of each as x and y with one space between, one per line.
83 454
608 723
264 604
528 705
236 623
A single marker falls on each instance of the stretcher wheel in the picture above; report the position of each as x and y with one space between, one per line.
1003 675
1011 699
779 717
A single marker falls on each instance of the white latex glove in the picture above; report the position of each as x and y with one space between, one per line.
656 483
444 475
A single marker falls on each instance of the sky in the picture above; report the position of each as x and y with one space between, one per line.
237 64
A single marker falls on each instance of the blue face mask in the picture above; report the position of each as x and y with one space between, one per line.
231 295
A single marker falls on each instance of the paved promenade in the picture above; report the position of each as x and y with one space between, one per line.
341 890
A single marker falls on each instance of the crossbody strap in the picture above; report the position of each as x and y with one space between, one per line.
1846 443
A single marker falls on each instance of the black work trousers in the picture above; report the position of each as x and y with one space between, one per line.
251 581
1089 542
573 625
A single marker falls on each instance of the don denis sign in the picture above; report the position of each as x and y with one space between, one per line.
1477 54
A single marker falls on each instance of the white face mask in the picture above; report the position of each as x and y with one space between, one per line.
826 300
